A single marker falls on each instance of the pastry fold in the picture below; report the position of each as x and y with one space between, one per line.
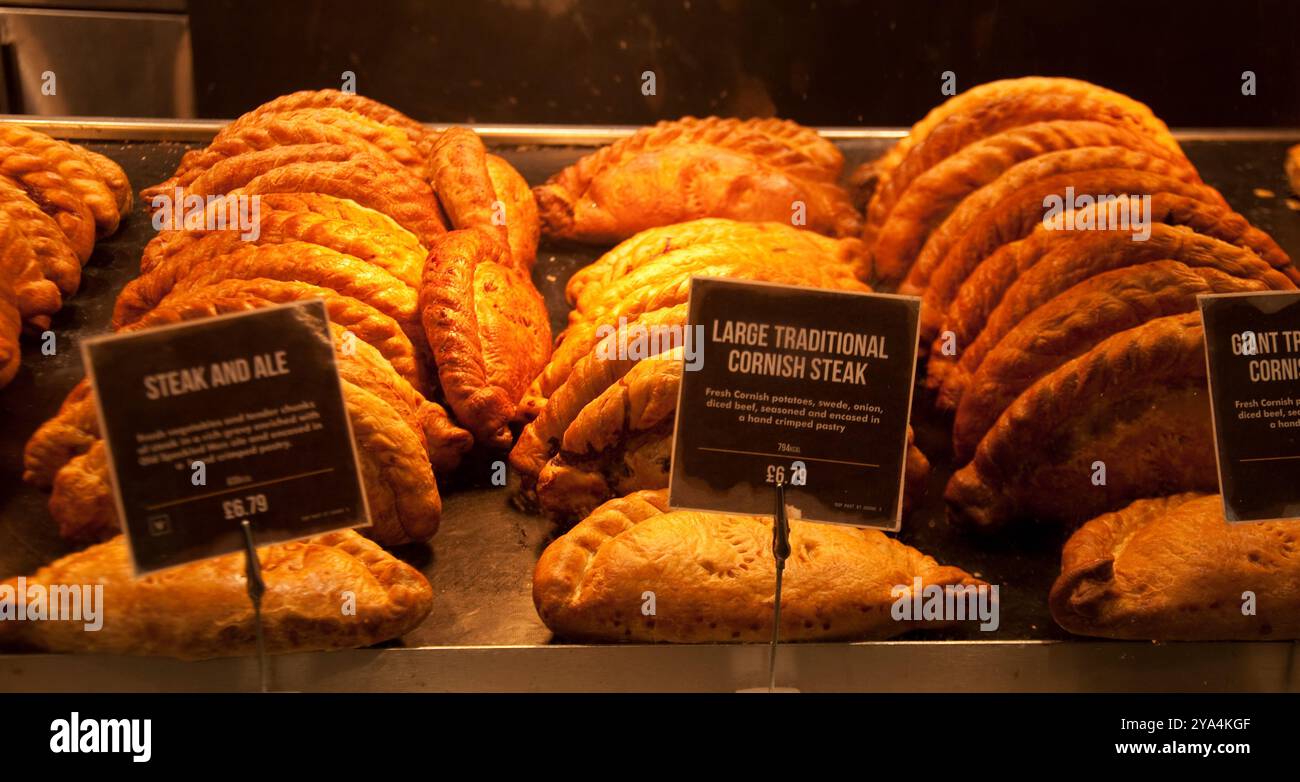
652 271
1172 569
29 250
1126 420
56 198
12 268
51 253
675 171
680 241
711 578
201 610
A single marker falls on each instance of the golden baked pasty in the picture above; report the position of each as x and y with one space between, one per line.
876 175
793 247
12 267
750 170
587 373
52 255
1008 111
1071 324
31 294
98 181
1133 411
302 126
201 609
370 181
307 100
652 271
1022 275
56 196
482 191
396 251
618 443
929 198
1172 569
487 327
711 577
1021 211
984 200
210 260
323 105
523 226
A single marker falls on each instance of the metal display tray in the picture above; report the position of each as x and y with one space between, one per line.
484 634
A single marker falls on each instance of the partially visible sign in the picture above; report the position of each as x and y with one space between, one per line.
212 422
809 387
1252 350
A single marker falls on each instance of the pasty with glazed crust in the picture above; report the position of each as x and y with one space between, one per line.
985 199
487 328
201 609
303 126
1022 275
1172 569
1071 324
99 182
1137 403
897 240
368 180
1020 212
51 253
56 196
792 246
396 252
875 176
712 577
750 170
209 261
959 130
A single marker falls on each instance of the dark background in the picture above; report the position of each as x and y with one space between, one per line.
820 62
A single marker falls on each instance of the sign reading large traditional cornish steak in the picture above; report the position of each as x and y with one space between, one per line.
808 387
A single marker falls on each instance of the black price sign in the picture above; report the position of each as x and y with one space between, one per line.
810 388
214 422
1252 350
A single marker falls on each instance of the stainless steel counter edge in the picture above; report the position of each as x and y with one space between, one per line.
140 129
903 666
